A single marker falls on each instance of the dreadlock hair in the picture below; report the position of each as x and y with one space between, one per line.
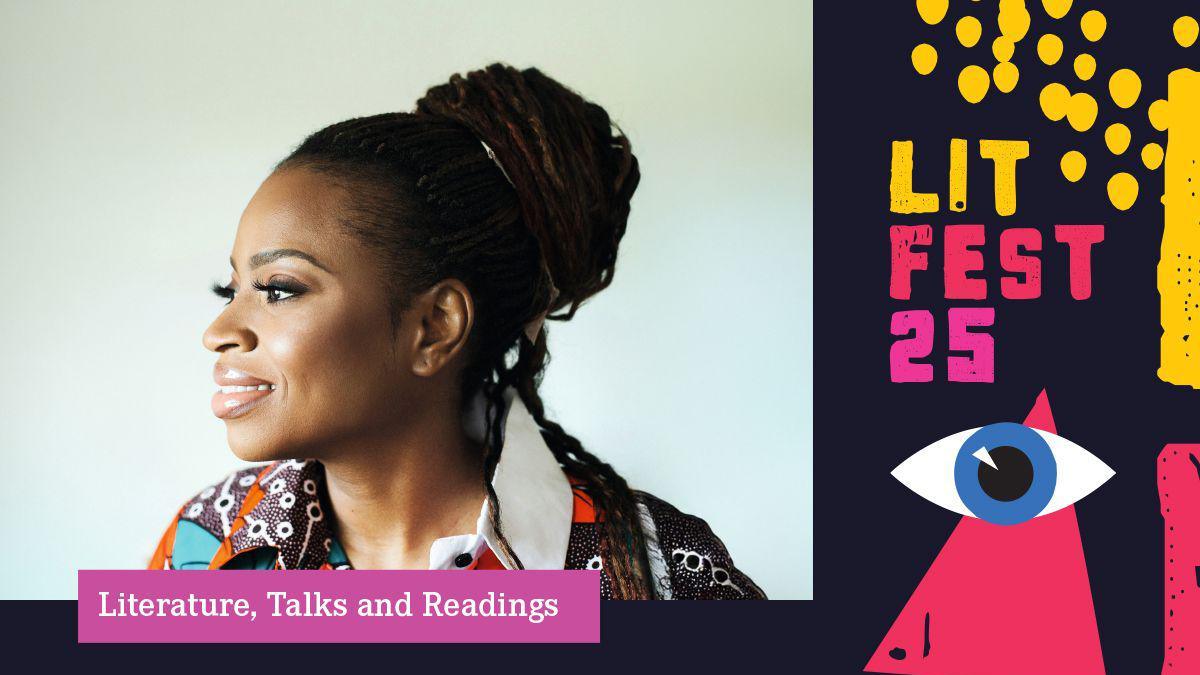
433 205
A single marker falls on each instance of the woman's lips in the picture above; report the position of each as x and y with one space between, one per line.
239 391
235 401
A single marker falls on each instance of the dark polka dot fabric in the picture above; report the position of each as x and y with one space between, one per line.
583 553
216 507
289 517
698 565
687 561
692 563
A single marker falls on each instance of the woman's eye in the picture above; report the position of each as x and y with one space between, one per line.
278 292
274 291
1003 473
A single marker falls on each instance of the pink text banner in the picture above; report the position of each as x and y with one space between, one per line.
352 606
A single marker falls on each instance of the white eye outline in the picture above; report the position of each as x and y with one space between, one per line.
929 472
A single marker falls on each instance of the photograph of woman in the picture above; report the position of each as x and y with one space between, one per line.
379 356
394 285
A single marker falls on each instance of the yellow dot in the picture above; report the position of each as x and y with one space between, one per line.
1002 48
1116 137
973 83
1185 29
1085 66
1056 9
1005 75
924 58
1152 156
1122 190
968 31
1013 20
1073 164
1050 48
1158 115
1093 24
932 11
1054 99
1125 87
1081 111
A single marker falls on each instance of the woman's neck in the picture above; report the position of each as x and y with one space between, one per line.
392 498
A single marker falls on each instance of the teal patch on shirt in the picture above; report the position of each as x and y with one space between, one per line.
194 547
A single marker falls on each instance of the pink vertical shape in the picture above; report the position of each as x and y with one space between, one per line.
1179 501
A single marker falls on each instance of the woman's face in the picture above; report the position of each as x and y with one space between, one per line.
317 345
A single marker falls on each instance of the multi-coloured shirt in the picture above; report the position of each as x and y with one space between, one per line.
276 516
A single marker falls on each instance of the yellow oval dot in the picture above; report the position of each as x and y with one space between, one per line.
932 11
1056 9
1158 115
1117 137
1002 48
1073 165
1050 48
1005 76
968 30
1125 86
1081 111
1152 155
1085 66
1122 190
1186 29
973 83
1013 20
924 58
1093 24
1054 99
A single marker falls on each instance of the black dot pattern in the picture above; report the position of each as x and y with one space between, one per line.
583 553
215 507
699 565
291 517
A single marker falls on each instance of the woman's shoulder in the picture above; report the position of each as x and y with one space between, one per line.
215 506
687 560
203 521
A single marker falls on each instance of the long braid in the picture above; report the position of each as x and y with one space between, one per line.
622 549
434 205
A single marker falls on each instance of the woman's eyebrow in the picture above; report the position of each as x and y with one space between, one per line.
263 257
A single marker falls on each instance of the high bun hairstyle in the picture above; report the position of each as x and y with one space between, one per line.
432 204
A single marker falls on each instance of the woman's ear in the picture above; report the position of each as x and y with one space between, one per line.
444 316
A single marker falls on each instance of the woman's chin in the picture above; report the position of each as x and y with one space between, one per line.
254 450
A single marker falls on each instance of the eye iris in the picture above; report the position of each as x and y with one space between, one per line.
1022 482
1011 478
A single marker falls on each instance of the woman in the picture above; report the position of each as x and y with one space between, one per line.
390 279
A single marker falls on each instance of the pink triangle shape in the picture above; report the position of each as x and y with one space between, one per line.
1040 417
1000 599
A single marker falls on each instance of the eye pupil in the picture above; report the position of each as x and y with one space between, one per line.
1011 478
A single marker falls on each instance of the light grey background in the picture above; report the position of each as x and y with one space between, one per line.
134 133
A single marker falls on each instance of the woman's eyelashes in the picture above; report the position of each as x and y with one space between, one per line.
226 292
276 290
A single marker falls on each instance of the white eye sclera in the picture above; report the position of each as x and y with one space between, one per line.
1003 473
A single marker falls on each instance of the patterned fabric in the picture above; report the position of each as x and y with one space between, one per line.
276 517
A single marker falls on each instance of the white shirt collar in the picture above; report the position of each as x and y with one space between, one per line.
536 502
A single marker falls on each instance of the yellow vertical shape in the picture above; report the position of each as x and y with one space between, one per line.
1179 261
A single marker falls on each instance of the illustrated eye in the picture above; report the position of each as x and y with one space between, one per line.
1003 473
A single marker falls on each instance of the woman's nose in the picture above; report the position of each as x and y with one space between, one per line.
229 331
